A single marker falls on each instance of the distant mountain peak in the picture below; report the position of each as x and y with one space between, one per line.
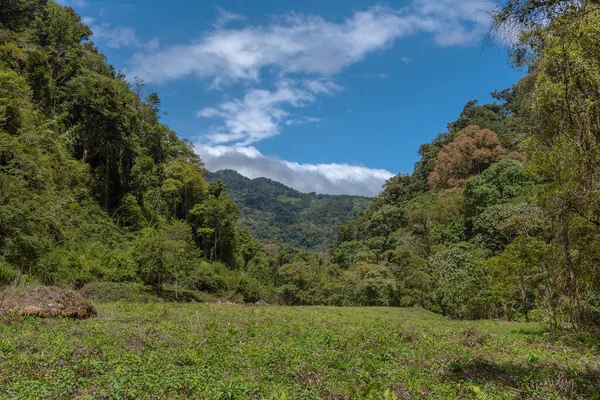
276 212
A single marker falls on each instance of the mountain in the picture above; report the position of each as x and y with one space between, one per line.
277 212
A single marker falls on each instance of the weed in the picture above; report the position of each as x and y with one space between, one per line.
154 349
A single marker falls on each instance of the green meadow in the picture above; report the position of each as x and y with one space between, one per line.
154 350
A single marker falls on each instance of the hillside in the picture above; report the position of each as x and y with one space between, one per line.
276 212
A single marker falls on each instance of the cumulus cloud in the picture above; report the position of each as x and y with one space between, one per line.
261 113
320 178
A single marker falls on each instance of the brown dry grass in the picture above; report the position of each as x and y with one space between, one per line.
45 302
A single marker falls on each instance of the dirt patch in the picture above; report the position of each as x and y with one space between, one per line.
45 302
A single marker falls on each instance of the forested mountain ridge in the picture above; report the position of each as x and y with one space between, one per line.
275 212
92 185
500 216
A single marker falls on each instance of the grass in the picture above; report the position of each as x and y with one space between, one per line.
159 350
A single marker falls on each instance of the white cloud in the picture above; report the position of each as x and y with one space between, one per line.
320 178
457 22
406 60
303 121
73 3
225 17
294 43
261 113
118 37
88 20
308 44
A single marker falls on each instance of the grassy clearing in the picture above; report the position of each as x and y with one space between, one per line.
212 351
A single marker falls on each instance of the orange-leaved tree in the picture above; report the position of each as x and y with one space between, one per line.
470 153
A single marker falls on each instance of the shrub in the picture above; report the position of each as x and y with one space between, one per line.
206 277
165 253
461 282
250 289
8 274
346 254
260 269
110 291
373 285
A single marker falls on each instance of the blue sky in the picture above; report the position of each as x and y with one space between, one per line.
326 96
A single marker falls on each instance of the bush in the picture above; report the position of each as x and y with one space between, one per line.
373 285
165 253
461 282
64 267
120 266
260 269
590 309
206 277
8 274
250 289
346 254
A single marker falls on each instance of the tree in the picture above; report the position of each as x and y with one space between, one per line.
413 283
183 186
14 100
347 253
499 225
498 116
214 222
17 15
248 248
295 281
523 272
98 116
461 282
397 190
165 254
470 153
372 285
499 183
564 144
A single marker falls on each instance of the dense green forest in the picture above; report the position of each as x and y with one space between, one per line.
500 218
275 212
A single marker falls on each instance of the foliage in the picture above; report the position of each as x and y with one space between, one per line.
93 187
461 282
214 222
500 217
276 212
210 351
476 209
499 183
164 254
8 274
471 152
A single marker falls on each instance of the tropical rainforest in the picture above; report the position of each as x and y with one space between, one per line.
500 218
277 213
